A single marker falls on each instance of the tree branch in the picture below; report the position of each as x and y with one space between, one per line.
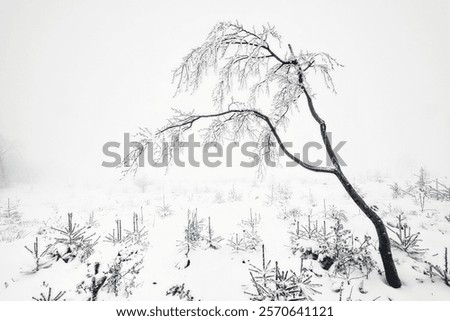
190 120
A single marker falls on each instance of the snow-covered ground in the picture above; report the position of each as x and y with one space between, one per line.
146 270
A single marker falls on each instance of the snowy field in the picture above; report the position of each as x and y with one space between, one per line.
154 241
340 89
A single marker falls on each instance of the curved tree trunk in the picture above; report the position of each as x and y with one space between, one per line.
383 237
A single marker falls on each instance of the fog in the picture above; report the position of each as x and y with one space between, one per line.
77 74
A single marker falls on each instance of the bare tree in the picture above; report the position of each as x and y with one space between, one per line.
246 58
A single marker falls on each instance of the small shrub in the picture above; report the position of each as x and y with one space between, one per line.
355 259
212 241
122 273
291 215
115 237
94 282
75 241
237 243
138 235
11 225
192 233
11 233
337 214
92 222
405 240
274 284
324 235
165 209
308 231
422 189
250 239
234 195
253 221
278 195
336 249
351 257
11 212
49 297
442 272
219 198
265 273
180 292
37 256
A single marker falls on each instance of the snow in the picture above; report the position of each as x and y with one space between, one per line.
221 274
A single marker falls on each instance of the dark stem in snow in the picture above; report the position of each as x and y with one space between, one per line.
383 237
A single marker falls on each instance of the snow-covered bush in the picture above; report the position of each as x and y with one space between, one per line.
405 240
115 237
344 255
234 195
422 189
212 242
252 222
441 272
347 256
218 197
165 208
118 276
122 273
73 242
93 283
92 222
38 255
291 215
337 214
250 239
275 284
278 195
138 235
10 214
192 233
179 291
236 243
11 224
48 296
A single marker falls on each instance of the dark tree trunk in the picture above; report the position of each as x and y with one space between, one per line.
383 237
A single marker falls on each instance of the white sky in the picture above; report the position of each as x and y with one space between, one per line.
75 74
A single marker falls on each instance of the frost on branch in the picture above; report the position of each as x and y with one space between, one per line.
241 58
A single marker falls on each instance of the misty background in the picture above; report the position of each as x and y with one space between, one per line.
77 74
